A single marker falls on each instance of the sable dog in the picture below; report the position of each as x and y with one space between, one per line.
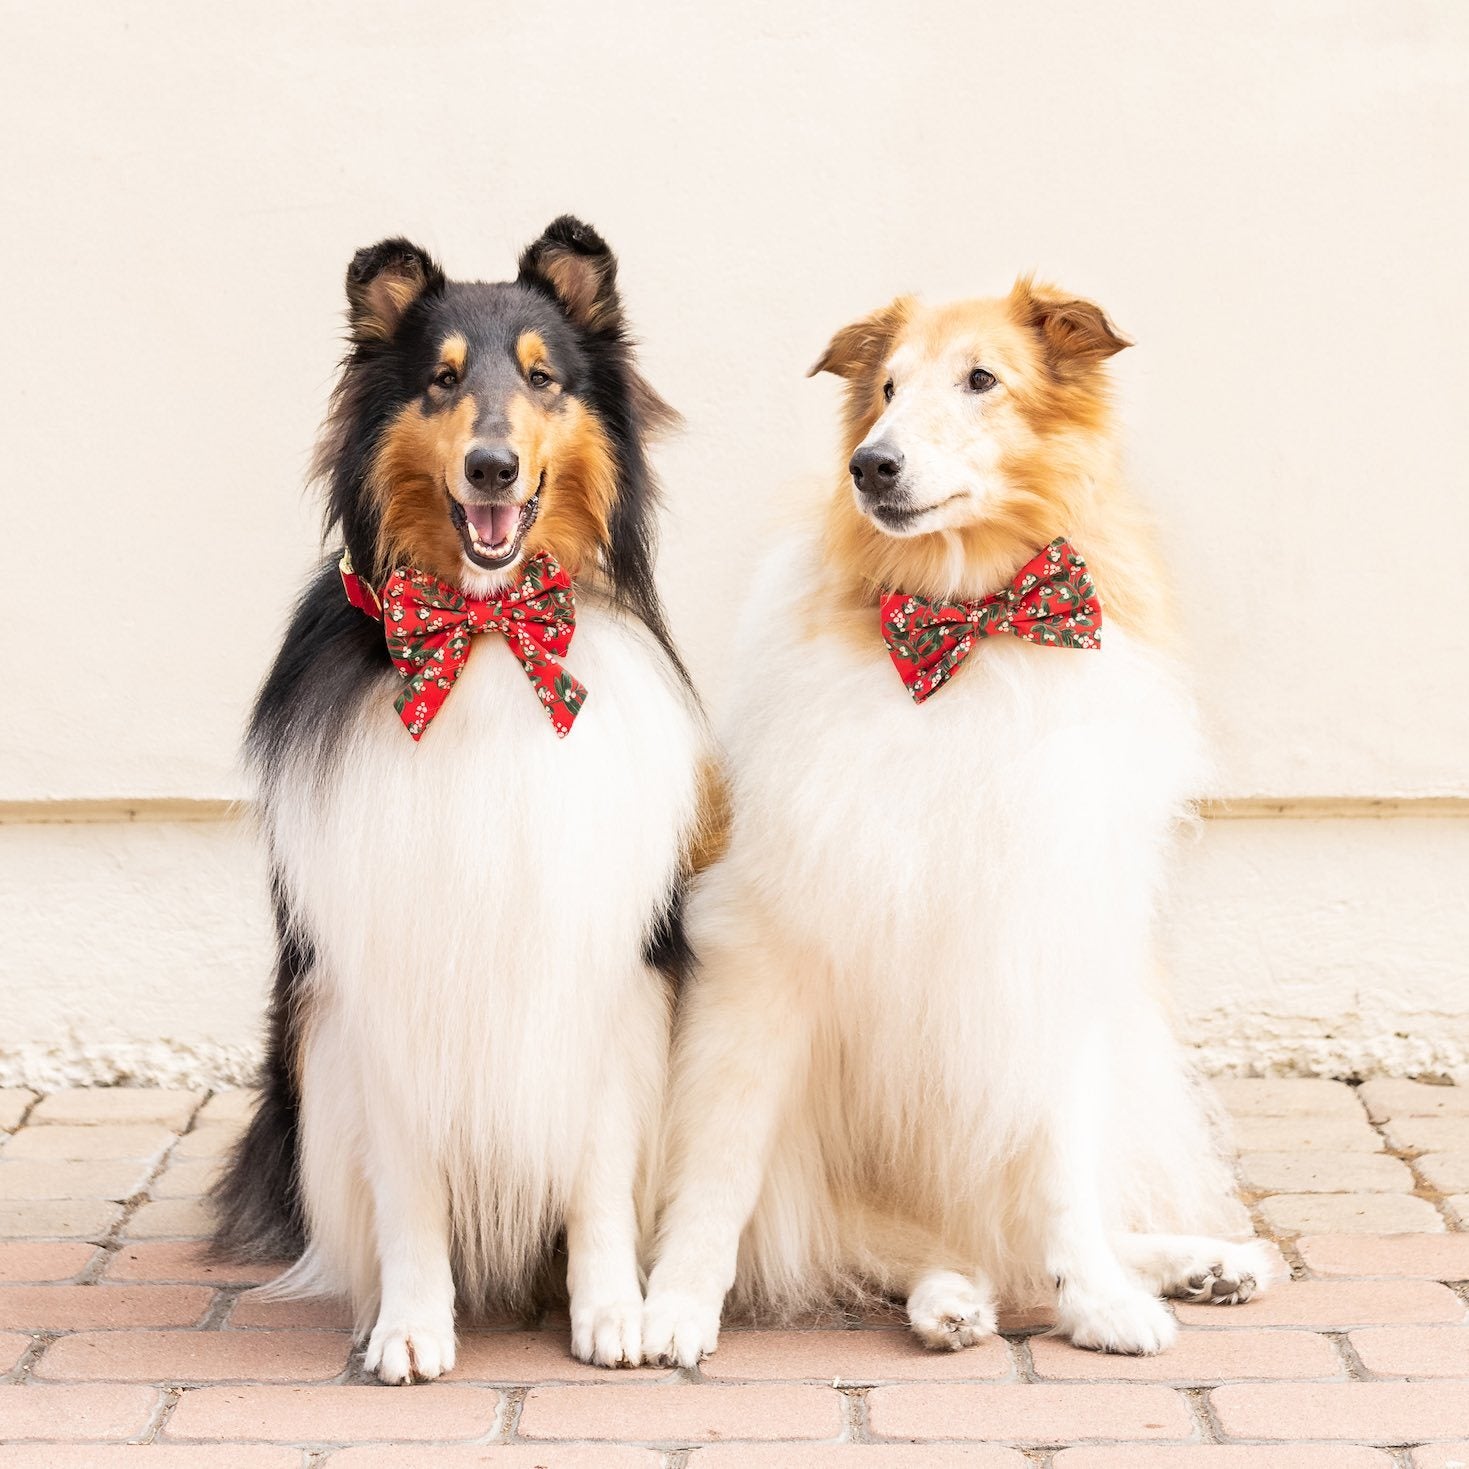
475 917
924 1053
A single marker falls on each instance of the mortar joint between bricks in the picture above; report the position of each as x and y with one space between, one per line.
1201 1410
21 1372
170 1401
1023 1358
1348 1353
507 1424
219 1309
854 1415
677 1458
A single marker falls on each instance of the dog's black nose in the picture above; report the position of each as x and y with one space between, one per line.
875 468
491 466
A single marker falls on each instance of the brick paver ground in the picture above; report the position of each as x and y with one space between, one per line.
121 1347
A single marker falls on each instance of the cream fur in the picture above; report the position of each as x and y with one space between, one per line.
485 1047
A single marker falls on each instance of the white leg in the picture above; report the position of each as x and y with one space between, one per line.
1195 1268
601 1223
742 1045
1101 1305
414 1335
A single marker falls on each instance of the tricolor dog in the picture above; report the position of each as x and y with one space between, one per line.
479 766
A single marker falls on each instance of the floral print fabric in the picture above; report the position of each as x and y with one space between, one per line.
428 626
1051 602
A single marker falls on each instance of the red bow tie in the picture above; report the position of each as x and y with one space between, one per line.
1052 602
428 626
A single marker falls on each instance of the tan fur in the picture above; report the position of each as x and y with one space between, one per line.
567 446
1061 462
530 350
454 352
711 835
419 456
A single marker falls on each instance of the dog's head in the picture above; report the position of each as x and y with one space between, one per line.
968 428
476 425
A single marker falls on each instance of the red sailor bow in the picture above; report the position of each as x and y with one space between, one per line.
428 625
1051 601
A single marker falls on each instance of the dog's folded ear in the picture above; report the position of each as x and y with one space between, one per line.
383 281
859 348
572 264
1075 334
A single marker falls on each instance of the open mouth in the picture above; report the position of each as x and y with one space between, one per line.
492 535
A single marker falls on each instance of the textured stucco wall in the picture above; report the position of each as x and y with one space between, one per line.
1266 197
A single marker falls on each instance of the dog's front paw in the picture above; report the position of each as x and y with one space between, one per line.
1240 1272
609 1334
1130 1322
679 1328
947 1312
409 1353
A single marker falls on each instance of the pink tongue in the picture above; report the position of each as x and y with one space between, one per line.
493 524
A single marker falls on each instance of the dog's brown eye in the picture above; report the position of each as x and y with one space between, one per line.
887 391
981 381
446 378
538 379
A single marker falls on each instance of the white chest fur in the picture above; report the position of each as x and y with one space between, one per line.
479 900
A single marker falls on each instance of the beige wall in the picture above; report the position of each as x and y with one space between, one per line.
1269 198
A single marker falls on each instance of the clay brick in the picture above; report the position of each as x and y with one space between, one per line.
13 1346
1350 1214
101 1143
186 1179
1458 1210
233 1108
30 1178
1286 1096
58 1218
101 1104
151 1456
852 1357
519 1357
211 1141
1222 1456
1334 1133
316 1313
1414 1351
79 1307
195 1356
1447 1172
14 1100
1334 1304
1319 1172
334 1414
1028 1414
1197 1357
856 1456
1444 1134
1442 1456
43 1261
681 1412
182 1261
1354 1412
74 1413
510 1456
1429 1256
170 1219
1389 1097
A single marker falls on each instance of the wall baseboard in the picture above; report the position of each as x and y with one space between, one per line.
1229 808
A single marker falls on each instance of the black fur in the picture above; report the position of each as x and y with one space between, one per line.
400 306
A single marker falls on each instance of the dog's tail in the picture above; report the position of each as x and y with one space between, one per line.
257 1198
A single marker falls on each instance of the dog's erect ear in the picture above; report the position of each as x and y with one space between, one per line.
1075 334
572 264
383 281
857 349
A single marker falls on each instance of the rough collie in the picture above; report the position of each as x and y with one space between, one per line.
478 760
925 1053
